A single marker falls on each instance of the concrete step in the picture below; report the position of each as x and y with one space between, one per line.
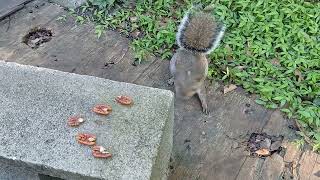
36 102
12 171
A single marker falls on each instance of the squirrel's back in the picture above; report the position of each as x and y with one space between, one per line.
200 32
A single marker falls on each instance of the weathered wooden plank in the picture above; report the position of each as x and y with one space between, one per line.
226 152
315 174
156 75
307 164
7 7
250 169
205 146
73 48
14 29
272 168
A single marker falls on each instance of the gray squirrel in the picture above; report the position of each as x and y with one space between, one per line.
198 35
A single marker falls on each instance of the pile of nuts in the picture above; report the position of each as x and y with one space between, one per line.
88 139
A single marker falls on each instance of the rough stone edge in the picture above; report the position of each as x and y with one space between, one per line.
12 171
14 64
160 170
40 169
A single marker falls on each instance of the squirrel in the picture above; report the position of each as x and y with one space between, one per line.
199 33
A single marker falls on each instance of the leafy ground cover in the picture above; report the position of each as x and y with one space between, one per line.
271 48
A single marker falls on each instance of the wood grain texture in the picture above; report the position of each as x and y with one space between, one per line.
210 147
8 7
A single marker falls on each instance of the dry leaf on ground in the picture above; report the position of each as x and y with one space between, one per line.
275 61
263 152
241 67
229 88
299 74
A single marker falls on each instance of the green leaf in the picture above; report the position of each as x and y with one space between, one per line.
285 110
258 79
316 101
283 102
259 101
278 98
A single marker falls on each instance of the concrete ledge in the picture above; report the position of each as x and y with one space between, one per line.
11 171
35 103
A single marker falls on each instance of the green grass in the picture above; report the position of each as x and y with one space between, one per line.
271 48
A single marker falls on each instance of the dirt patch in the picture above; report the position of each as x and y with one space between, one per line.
263 145
37 36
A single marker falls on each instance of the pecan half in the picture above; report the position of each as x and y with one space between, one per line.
102 109
86 139
75 121
124 100
100 152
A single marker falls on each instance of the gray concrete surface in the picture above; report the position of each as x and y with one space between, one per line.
11 171
69 3
36 102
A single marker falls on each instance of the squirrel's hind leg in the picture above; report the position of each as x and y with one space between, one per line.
201 92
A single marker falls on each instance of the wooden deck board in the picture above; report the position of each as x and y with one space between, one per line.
8 7
205 146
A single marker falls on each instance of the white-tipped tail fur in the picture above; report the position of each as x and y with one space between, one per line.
181 27
184 23
218 40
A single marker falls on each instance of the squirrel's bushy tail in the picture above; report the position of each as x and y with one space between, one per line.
200 32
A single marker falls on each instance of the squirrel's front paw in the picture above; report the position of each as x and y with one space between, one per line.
206 110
